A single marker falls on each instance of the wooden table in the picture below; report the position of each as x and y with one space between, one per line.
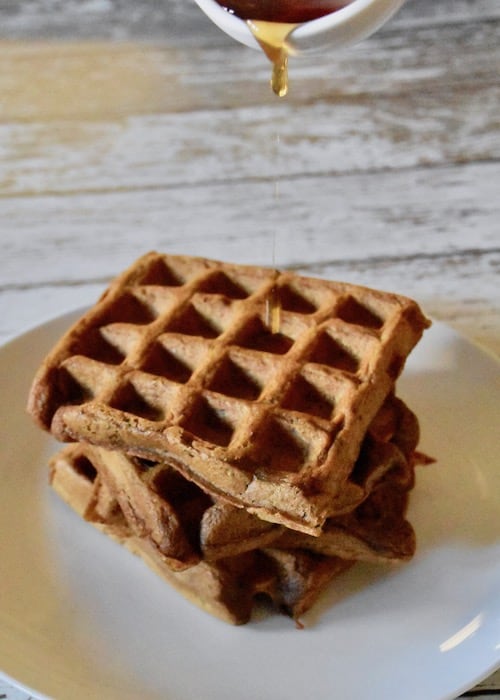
128 126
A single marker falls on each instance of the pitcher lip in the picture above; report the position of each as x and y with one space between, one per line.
346 26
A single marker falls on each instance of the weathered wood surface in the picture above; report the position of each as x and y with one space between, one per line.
128 126
181 20
386 154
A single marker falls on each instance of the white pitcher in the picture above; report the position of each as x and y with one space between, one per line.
343 27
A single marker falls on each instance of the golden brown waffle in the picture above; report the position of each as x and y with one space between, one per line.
185 524
154 503
374 530
226 589
177 363
73 476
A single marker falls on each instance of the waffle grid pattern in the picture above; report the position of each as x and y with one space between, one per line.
187 525
178 361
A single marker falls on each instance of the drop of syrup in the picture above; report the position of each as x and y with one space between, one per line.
272 21
272 37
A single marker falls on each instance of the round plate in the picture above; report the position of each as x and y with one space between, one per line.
80 617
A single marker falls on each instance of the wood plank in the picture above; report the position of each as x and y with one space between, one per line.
103 81
356 217
167 150
179 20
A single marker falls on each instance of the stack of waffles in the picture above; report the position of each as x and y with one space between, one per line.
237 427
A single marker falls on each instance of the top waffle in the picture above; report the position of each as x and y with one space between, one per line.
177 362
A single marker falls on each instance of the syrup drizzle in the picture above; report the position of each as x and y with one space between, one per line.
272 38
271 23
273 310
273 301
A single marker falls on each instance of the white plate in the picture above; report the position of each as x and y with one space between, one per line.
81 618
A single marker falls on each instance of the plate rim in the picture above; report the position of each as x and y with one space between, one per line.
65 319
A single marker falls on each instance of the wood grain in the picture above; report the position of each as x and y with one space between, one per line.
145 127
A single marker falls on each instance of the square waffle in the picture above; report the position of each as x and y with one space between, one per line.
178 363
228 588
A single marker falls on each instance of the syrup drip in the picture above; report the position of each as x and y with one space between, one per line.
273 310
271 23
273 302
272 38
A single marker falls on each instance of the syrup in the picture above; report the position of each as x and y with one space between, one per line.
272 37
273 301
272 21
273 311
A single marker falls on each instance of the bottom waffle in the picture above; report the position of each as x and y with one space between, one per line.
187 525
228 588
165 519
221 557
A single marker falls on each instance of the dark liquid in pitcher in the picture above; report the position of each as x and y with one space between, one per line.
288 11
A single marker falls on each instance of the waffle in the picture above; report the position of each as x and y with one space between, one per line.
177 363
152 503
187 525
373 530
228 588
376 531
